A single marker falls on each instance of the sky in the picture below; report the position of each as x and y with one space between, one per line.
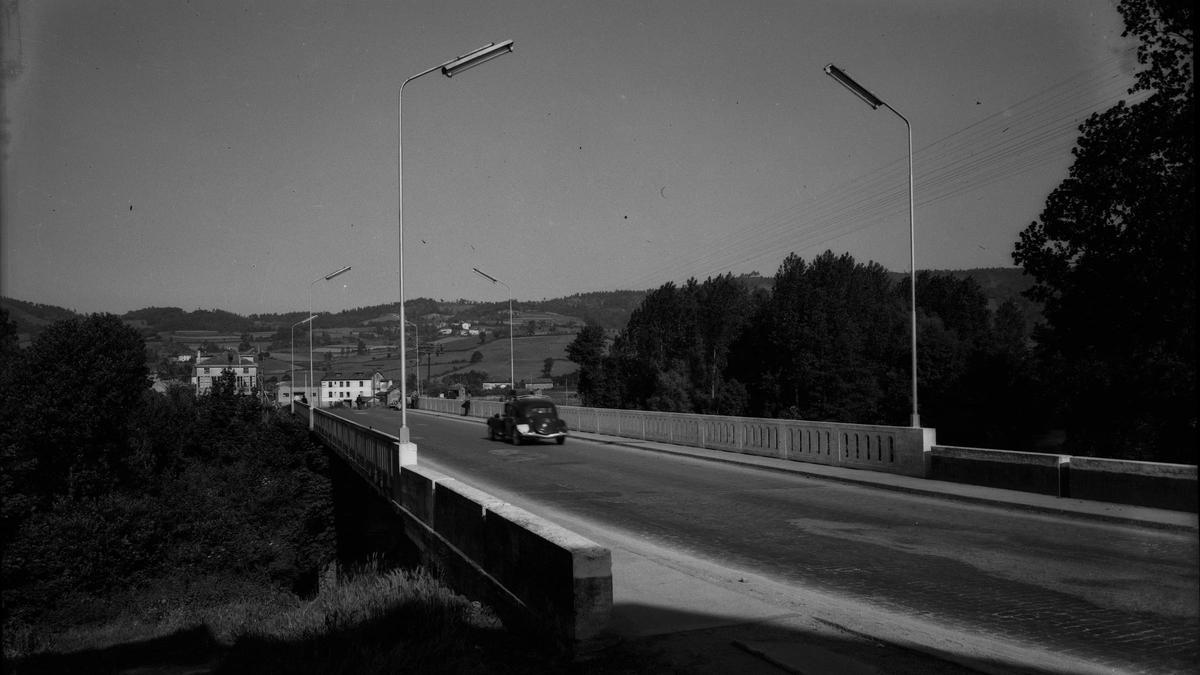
212 154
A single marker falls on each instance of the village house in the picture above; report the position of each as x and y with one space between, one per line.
209 368
351 388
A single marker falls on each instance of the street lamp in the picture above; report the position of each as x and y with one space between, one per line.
512 379
449 69
313 404
292 359
874 101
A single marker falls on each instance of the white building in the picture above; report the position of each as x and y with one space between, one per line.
209 368
349 388
300 389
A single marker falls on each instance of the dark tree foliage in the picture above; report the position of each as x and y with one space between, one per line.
1113 255
829 341
472 379
835 334
73 396
673 353
977 377
14 466
588 350
109 485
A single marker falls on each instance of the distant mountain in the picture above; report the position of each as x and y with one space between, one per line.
610 309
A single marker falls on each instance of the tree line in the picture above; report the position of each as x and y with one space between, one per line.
830 341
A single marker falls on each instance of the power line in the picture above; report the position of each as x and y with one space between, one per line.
1030 134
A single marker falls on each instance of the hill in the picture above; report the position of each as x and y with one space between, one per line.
610 309
32 317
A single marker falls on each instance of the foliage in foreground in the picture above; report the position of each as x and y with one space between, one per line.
373 621
1113 255
109 487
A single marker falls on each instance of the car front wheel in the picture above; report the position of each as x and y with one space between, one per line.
560 440
516 437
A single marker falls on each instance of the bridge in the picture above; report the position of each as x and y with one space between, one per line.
987 576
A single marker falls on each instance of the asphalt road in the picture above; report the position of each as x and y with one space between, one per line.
1117 594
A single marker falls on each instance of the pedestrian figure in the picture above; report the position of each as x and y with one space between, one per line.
466 406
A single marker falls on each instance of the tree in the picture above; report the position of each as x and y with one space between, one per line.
1113 257
672 390
588 350
476 357
547 366
71 438
832 345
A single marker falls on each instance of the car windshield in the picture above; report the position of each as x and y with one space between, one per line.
539 410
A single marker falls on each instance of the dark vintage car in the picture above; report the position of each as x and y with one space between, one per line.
528 418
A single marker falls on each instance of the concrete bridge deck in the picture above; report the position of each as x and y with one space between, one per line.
647 584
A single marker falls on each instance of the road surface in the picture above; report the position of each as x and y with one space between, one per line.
1119 595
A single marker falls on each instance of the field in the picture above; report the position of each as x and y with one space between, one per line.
530 354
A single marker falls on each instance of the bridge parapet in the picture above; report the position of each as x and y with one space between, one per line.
536 574
900 450
379 455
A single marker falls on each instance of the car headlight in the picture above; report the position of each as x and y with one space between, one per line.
523 428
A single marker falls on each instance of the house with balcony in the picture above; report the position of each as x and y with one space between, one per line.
209 367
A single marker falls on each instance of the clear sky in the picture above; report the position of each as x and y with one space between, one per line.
218 154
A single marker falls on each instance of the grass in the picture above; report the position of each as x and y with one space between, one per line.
371 622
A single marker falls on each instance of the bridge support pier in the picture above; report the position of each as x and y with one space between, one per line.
367 526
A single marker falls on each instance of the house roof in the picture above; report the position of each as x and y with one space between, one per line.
221 359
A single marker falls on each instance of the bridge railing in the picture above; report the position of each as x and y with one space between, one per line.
479 407
538 574
377 454
901 450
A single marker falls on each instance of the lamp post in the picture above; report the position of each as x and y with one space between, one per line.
292 360
417 331
512 379
874 101
449 69
312 404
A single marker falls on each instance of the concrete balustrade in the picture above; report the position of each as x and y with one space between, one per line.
453 406
901 450
378 454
